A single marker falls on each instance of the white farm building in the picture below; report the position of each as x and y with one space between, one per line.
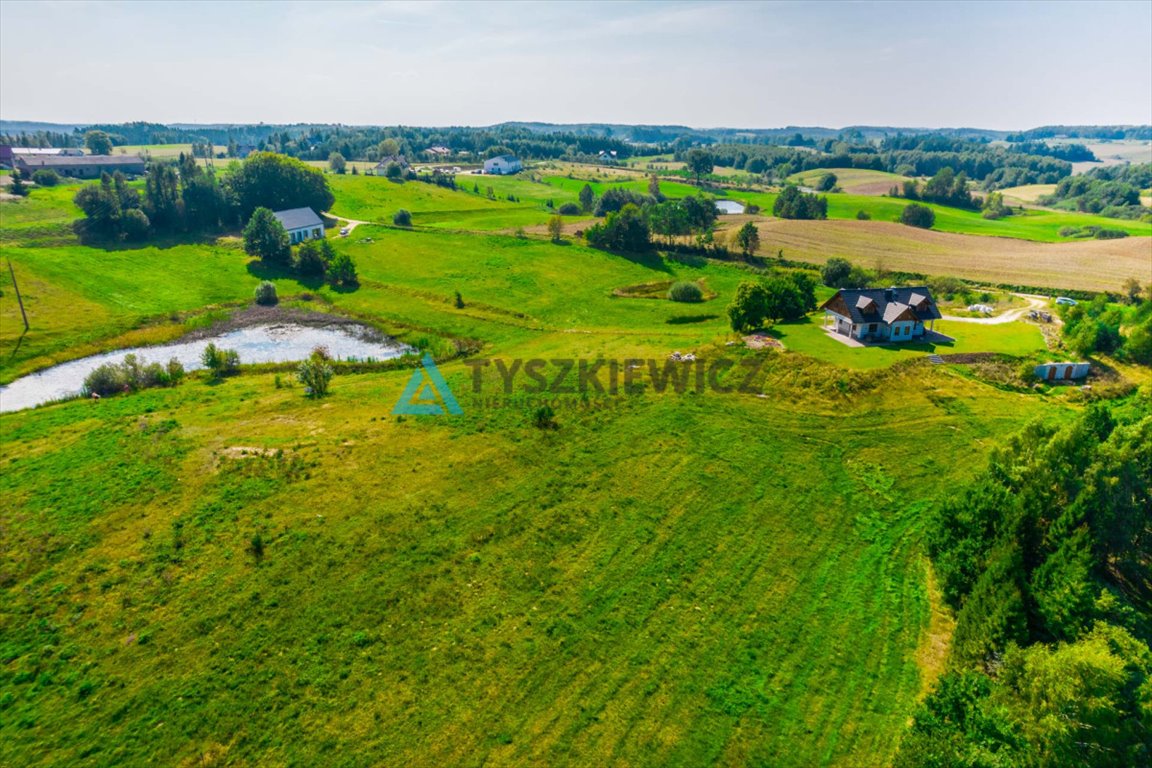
301 224
502 165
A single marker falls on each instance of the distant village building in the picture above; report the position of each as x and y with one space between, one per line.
881 314
381 168
502 165
1062 371
438 151
301 224
82 166
8 153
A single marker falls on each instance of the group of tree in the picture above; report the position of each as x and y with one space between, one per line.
186 197
783 296
946 187
1111 191
791 203
623 230
131 375
266 239
908 155
1096 326
841 273
1044 558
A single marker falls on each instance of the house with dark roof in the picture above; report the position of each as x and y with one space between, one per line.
301 224
381 168
881 314
81 167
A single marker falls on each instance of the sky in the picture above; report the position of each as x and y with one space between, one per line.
1000 65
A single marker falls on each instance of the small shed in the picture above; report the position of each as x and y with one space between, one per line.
1062 371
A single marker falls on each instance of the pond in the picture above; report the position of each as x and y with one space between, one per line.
729 206
272 343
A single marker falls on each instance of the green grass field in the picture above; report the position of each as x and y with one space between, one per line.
234 574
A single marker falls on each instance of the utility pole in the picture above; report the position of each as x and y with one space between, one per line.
20 300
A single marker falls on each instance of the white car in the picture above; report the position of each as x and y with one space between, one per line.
344 231
1065 301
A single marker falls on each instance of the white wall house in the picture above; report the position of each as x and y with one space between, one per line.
881 314
301 224
502 165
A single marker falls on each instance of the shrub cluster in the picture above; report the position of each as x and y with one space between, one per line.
132 375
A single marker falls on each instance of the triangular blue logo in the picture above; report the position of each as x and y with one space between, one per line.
427 394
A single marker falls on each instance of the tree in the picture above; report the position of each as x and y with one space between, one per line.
748 238
276 182
835 272
220 362
46 177
700 211
827 182
556 228
315 373
101 206
748 309
994 207
337 163
134 224
162 200
266 239
393 171
342 271
311 259
916 215
18 187
624 230
1132 288
783 299
669 220
98 142
402 218
699 162
654 189
794 204
587 198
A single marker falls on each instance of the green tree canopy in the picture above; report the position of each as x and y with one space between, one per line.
98 142
265 238
278 183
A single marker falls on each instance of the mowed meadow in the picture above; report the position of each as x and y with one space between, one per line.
233 574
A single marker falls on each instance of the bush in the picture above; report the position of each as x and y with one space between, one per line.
46 177
312 257
863 215
1110 234
916 215
569 209
266 294
1069 231
315 373
134 224
131 375
544 417
220 362
686 292
342 270
402 218
108 379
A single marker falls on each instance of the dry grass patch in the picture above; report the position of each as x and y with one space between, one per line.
1091 265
